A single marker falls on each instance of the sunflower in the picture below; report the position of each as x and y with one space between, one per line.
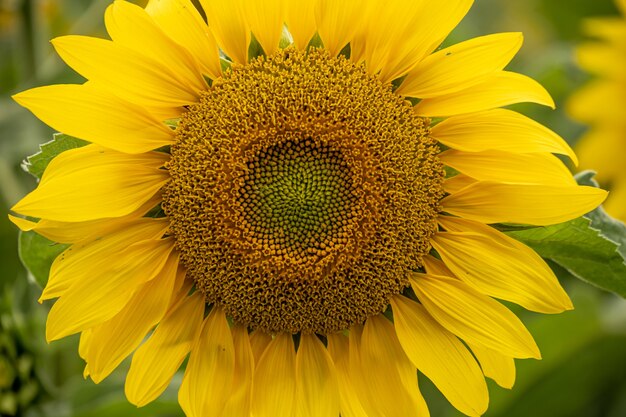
600 104
298 196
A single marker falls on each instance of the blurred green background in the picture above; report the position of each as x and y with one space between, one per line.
583 371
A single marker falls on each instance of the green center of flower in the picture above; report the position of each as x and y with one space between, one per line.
298 199
302 192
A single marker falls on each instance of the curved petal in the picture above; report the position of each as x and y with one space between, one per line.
541 205
238 404
317 392
300 20
259 341
73 232
112 341
495 365
337 22
91 182
501 89
266 20
229 26
157 360
182 22
104 290
455 184
94 115
125 73
208 379
440 356
70 266
389 374
434 266
530 168
395 46
485 131
350 405
129 25
474 317
499 266
275 379
460 66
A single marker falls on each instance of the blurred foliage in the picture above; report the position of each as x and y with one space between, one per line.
583 371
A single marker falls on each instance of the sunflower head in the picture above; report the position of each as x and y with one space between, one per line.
324 205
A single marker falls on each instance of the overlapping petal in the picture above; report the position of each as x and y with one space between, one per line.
208 379
440 356
157 360
92 182
460 66
493 202
274 388
228 24
499 266
317 391
181 21
500 130
81 307
474 317
389 375
498 90
97 116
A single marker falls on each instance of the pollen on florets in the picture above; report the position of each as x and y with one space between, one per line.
302 192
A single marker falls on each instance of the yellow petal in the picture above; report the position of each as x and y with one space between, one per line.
440 356
125 73
259 341
112 341
266 22
129 25
455 184
474 317
492 202
350 405
357 372
590 103
484 131
209 375
462 65
300 19
182 22
434 266
274 386
616 204
70 266
157 360
228 24
498 90
73 232
337 22
389 374
592 55
499 266
530 168
91 182
395 46
598 148
496 366
103 291
94 115
238 404
317 392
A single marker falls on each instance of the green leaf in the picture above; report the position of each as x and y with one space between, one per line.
37 254
37 163
580 249
610 228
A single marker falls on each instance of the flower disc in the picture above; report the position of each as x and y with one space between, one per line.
302 192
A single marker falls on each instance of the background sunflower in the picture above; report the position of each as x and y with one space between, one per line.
583 372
